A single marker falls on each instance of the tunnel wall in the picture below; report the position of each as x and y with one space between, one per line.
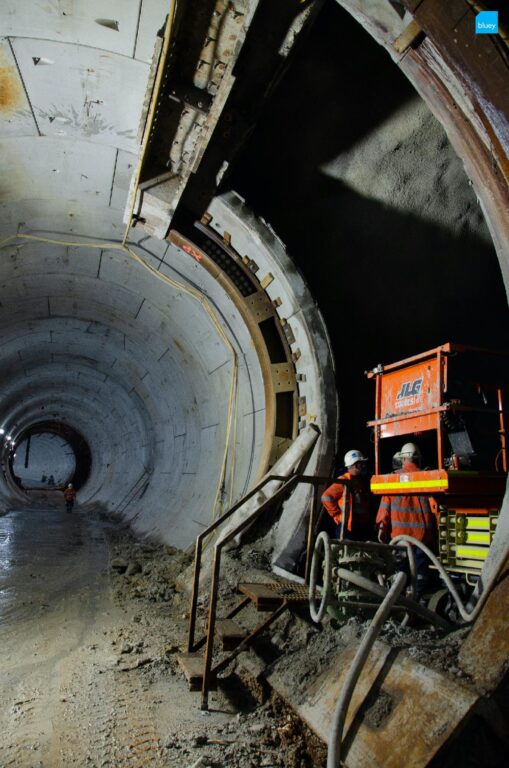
91 338
135 350
45 455
461 76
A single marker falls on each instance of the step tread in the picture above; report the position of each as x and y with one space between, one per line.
270 595
230 628
191 665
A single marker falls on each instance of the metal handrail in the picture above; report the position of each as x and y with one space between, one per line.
289 484
198 553
191 645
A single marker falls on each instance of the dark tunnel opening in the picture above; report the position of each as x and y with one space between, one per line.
49 455
359 180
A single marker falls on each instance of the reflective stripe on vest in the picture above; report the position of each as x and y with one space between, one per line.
406 524
395 507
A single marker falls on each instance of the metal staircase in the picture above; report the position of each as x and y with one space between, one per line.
200 664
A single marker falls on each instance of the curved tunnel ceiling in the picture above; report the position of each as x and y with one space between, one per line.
118 340
175 369
187 364
89 336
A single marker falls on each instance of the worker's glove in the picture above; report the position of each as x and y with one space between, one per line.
381 537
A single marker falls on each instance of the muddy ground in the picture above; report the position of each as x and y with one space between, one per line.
90 628
91 623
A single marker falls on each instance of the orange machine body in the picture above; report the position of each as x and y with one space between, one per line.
413 400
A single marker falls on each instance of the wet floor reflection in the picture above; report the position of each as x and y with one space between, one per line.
55 606
47 556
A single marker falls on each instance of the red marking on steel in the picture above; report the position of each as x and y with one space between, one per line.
192 252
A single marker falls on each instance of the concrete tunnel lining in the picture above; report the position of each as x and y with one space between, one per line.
90 326
50 452
98 141
86 409
148 369
136 377
176 372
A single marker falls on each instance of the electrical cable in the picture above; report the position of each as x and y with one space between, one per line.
404 602
412 565
464 613
355 669
197 296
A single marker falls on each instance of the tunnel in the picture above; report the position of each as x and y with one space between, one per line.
215 218
49 453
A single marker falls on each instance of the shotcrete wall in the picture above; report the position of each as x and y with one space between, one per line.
360 180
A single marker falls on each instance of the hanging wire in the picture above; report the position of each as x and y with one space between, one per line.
198 296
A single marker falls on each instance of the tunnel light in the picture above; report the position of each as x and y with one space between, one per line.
2 431
9 438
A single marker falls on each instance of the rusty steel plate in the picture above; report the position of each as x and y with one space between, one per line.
423 708
485 652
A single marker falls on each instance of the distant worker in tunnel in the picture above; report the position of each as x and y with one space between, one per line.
70 497
408 514
358 523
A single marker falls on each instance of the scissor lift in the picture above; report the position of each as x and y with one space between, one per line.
452 400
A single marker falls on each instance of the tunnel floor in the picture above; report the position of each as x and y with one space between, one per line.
91 623
88 665
71 695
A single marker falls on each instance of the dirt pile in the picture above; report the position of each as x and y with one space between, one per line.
247 725
268 736
146 571
258 729
430 647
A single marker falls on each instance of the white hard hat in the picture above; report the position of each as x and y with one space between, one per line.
352 457
70 485
412 450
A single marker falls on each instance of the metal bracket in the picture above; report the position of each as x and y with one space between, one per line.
193 97
283 377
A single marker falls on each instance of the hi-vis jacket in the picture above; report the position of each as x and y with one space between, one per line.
333 501
405 516
69 494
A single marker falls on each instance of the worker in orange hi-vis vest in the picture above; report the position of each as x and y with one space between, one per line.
70 497
357 526
408 515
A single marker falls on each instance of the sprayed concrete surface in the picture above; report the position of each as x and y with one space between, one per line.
90 625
